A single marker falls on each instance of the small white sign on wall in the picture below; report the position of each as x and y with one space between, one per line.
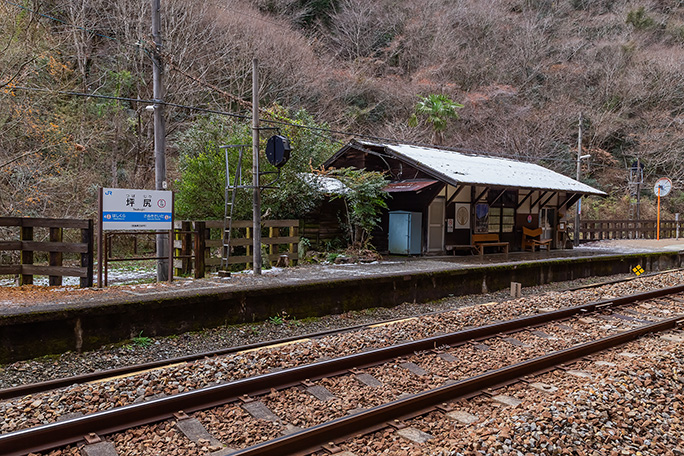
132 209
462 216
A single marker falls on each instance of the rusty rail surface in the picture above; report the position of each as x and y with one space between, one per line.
71 431
313 439
33 388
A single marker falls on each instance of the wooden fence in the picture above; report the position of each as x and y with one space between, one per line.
26 230
596 230
205 236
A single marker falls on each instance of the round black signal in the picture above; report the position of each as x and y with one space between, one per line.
278 150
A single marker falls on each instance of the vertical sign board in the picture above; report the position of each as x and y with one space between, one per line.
125 209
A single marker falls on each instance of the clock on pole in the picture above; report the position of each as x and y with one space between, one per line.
661 188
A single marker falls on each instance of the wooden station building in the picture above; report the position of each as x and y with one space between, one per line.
448 197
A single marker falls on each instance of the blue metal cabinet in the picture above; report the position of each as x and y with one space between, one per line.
405 232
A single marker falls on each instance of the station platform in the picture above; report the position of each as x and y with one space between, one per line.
36 321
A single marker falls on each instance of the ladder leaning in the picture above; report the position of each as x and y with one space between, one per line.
229 196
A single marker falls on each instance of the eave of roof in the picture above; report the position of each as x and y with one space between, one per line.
457 168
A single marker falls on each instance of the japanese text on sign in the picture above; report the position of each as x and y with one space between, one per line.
131 209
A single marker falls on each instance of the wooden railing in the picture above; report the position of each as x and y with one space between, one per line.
26 231
596 230
206 236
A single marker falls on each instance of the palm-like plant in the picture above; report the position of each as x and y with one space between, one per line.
437 109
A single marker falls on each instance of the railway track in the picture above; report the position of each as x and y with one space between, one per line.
370 384
33 388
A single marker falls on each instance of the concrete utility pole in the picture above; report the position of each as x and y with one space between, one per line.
159 135
256 202
579 202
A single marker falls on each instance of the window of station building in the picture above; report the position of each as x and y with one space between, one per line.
502 211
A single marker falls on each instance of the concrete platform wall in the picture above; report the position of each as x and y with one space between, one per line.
43 333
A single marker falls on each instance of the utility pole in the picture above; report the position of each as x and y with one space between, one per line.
162 240
579 201
640 180
256 201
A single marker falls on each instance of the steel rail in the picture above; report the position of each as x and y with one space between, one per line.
61 433
33 388
312 439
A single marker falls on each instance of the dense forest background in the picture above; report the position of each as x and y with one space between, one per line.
523 69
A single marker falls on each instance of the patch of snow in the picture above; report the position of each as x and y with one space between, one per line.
324 184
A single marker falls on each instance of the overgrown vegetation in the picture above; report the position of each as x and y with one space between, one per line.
202 169
364 200
523 71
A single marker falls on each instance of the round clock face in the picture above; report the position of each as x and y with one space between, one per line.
662 186
462 216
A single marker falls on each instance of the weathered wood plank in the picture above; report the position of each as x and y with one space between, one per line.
10 245
54 270
62 247
267 241
10 269
43 222
280 223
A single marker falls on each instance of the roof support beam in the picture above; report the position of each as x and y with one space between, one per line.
547 200
497 197
481 195
458 190
573 199
524 199
568 196
542 195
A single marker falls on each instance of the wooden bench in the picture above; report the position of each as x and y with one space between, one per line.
454 247
532 239
488 240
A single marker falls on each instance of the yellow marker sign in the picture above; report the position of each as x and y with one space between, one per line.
638 270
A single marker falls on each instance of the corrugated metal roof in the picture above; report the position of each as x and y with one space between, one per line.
459 168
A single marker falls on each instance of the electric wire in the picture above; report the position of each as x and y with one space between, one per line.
275 122
319 131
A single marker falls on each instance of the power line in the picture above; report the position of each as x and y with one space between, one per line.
320 130
210 111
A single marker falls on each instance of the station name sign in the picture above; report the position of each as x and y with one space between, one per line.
125 209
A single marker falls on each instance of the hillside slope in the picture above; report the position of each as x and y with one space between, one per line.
524 70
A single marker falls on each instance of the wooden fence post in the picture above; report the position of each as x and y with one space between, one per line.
200 248
248 248
26 255
186 248
272 248
87 237
55 258
294 247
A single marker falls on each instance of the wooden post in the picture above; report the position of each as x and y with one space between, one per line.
248 248
200 247
26 255
87 236
186 248
272 248
55 258
294 247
